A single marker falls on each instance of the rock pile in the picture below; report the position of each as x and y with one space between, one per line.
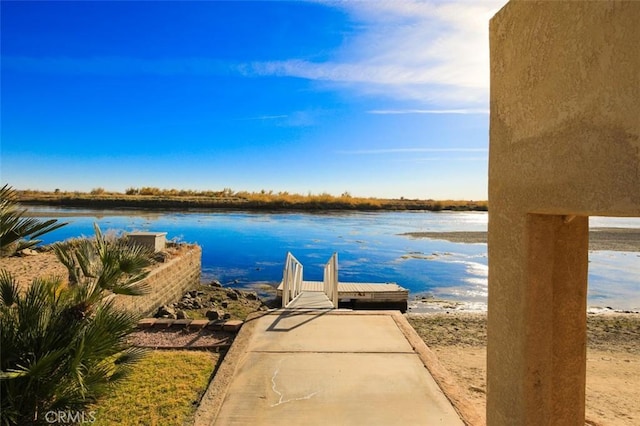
212 301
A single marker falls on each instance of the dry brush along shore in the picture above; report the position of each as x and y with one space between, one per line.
155 198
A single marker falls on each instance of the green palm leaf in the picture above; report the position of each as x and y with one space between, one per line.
8 289
18 232
63 346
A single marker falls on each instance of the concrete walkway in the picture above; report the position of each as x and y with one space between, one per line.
327 368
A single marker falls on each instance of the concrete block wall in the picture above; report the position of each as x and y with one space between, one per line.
167 283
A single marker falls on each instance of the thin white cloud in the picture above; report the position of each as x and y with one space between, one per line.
433 52
428 52
304 118
430 111
407 150
430 159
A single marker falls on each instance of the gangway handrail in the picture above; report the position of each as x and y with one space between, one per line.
331 279
291 279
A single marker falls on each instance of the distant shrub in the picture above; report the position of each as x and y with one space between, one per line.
437 206
148 190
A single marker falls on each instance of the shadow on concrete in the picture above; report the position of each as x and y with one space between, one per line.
291 313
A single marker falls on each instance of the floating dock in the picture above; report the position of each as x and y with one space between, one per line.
362 292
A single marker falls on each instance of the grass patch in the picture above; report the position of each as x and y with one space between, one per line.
164 389
241 310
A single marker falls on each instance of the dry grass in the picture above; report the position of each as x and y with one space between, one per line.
164 389
227 198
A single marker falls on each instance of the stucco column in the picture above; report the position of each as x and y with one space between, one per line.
537 330
564 145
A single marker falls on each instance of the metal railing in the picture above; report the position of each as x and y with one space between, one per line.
331 279
291 279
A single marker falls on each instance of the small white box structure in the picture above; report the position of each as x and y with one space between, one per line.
154 240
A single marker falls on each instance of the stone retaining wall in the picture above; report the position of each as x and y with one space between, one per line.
168 282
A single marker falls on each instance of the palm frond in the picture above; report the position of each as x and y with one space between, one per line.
125 362
8 288
88 259
16 231
62 346
137 288
41 366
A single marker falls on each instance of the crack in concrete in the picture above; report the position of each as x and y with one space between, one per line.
281 399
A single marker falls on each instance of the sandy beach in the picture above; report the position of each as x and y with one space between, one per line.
42 263
26 268
613 360
613 352
614 239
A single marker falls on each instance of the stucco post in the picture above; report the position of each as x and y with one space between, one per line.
537 330
564 145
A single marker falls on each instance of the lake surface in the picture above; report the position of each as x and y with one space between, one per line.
246 248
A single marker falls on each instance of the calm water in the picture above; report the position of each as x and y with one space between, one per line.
248 248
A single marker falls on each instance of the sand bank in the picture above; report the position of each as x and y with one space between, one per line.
613 360
615 239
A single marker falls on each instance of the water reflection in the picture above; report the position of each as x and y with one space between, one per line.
246 247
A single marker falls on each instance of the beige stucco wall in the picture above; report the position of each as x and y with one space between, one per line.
565 89
565 141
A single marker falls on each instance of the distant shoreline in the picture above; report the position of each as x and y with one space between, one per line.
613 239
267 201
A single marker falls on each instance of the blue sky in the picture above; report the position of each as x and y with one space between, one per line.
384 99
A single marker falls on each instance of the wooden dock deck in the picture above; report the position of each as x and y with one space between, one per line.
297 293
311 300
364 292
